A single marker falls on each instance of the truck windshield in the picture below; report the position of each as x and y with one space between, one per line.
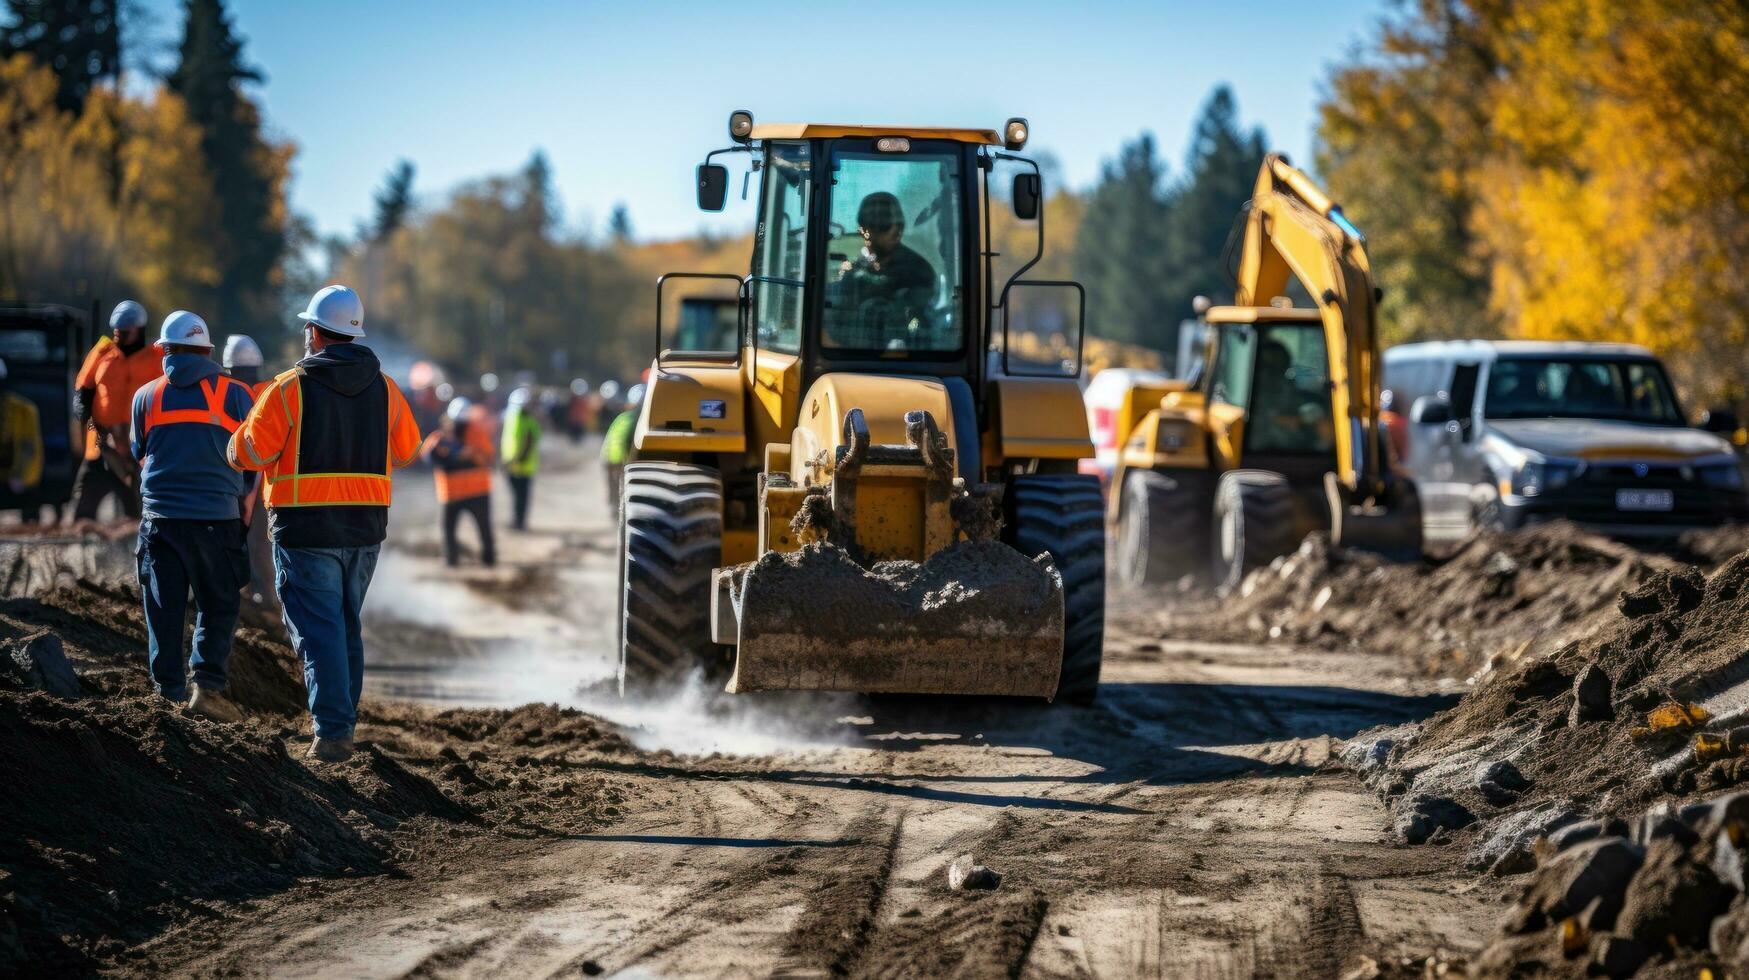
893 256
1550 388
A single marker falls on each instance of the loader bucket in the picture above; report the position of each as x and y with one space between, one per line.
976 618
1389 525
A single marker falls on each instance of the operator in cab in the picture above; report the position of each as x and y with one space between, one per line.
1296 420
886 288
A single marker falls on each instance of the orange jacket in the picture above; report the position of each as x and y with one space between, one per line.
114 376
277 441
463 470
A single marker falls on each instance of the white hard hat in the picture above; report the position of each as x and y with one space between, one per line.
609 389
336 309
242 351
635 394
519 397
458 407
127 315
185 328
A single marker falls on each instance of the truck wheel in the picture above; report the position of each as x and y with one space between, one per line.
1063 514
1254 523
1163 529
671 537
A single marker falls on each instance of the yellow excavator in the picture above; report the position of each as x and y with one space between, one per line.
1279 433
861 490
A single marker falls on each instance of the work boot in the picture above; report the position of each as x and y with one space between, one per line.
213 706
330 749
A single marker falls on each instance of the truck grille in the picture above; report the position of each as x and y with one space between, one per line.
1591 498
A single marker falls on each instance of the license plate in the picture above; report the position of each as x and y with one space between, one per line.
1645 499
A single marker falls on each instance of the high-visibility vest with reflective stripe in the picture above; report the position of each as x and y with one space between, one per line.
338 451
457 477
213 414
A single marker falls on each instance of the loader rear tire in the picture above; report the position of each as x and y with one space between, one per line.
1163 528
671 537
1255 523
1064 515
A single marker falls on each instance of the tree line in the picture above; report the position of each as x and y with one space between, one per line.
176 197
1567 169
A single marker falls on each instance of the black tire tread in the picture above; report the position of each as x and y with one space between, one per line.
1064 515
671 538
1171 516
1268 528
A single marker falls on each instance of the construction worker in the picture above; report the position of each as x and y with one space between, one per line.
328 434
460 454
616 445
191 534
243 361
520 447
117 367
21 444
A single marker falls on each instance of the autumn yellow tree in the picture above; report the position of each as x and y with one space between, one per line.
1555 168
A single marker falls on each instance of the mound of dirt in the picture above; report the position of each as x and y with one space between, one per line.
1452 615
124 816
1607 738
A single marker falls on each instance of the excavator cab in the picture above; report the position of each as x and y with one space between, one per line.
1281 435
865 491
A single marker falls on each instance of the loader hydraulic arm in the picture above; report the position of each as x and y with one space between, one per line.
1293 229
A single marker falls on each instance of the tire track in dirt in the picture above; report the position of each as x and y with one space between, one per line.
841 916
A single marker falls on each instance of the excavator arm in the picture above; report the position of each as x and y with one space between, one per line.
1293 229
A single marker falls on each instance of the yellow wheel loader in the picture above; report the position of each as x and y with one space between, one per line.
1279 433
861 490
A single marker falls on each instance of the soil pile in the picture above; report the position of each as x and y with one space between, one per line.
1495 597
1599 744
126 816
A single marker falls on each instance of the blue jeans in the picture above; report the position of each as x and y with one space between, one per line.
209 558
321 591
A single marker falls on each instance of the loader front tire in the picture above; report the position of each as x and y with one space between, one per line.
1255 523
671 537
1064 515
1163 528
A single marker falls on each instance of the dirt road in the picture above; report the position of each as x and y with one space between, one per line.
1182 827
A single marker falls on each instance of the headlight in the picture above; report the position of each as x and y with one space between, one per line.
1537 476
1727 476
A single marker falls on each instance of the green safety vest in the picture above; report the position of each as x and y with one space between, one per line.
520 431
617 444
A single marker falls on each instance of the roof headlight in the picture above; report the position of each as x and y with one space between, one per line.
1014 134
893 144
741 126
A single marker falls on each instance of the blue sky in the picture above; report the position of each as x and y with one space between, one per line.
625 98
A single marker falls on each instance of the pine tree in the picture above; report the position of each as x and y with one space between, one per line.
1219 176
79 40
247 172
393 201
619 223
1120 252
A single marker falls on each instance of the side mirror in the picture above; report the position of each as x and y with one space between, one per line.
713 186
1720 420
1429 410
1026 196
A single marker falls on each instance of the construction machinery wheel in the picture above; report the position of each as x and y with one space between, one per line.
1254 523
1063 514
671 536
1163 528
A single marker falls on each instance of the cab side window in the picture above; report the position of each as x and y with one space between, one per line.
1230 378
780 246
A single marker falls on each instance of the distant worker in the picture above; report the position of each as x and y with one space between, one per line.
616 445
191 537
243 361
885 288
460 454
328 434
117 366
21 444
520 447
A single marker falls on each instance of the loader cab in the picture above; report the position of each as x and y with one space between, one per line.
1267 385
862 257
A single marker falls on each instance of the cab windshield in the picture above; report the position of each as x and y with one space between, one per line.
893 262
1547 388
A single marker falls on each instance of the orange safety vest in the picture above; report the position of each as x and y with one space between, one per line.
319 450
114 376
462 483
213 414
